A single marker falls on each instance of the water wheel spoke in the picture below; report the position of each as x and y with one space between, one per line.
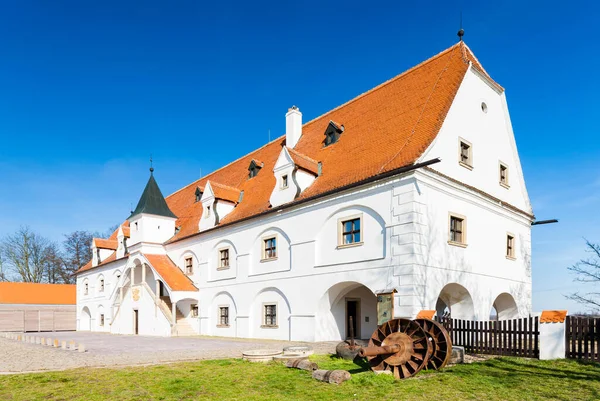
405 372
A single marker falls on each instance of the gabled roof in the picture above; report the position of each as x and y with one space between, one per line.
170 273
105 243
152 201
385 129
304 162
225 192
38 294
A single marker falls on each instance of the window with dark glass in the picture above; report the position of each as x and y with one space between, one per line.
102 285
510 246
85 289
270 315
224 258
189 266
456 229
194 310
224 315
465 153
270 248
101 319
351 231
284 181
503 174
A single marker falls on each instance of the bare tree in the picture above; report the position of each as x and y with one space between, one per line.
24 252
2 272
77 252
54 266
588 272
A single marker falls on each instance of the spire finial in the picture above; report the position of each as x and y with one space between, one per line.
151 168
461 31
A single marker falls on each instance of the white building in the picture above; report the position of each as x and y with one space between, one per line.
413 190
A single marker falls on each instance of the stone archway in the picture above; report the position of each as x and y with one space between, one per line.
335 307
456 301
85 319
504 308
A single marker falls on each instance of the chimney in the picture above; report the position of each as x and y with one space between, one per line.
293 126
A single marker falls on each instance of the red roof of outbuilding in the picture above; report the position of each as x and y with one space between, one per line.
37 294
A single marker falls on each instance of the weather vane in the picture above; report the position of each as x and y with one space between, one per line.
151 168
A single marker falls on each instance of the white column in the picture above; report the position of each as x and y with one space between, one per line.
174 307
552 340
132 275
143 273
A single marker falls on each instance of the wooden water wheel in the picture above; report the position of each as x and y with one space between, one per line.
399 347
440 347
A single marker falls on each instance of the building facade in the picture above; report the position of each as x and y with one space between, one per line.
409 197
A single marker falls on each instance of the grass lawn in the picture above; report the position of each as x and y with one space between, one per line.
495 379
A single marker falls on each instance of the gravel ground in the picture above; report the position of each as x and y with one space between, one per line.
106 350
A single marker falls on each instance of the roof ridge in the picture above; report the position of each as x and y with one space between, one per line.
402 74
223 186
389 81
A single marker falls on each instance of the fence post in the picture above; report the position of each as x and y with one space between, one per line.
552 334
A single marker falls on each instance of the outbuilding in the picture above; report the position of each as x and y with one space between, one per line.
33 307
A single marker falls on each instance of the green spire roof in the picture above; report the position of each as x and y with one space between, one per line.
152 201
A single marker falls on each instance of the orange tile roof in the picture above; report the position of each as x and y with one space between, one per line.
126 231
225 192
106 243
304 162
385 129
553 316
37 294
425 314
170 273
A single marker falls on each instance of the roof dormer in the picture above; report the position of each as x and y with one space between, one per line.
254 168
218 201
198 194
332 133
293 172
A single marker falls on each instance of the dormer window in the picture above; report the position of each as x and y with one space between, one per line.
284 182
198 195
254 168
332 133
207 214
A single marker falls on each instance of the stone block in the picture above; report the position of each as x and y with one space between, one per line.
63 344
49 342
43 340
72 345
55 343
458 355
81 348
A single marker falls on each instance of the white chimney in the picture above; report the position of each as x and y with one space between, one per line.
293 126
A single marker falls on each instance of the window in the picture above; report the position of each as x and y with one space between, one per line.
223 316
510 246
189 266
503 175
270 315
224 259
332 133
85 289
102 320
101 285
284 182
457 230
194 310
207 214
270 248
484 107
254 169
198 195
465 157
350 231
98 255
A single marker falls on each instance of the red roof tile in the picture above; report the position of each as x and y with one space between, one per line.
38 294
106 243
304 162
225 192
170 273
553 316
385 128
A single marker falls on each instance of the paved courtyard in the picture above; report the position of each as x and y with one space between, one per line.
106 350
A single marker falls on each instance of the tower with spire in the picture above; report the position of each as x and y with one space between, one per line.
152 221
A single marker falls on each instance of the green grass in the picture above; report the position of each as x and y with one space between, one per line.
495 379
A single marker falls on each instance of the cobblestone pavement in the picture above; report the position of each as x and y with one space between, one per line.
106 350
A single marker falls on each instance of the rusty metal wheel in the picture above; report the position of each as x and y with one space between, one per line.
399 346
440 349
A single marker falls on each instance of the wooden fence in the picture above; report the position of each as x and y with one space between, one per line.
582 338
516 337
37 320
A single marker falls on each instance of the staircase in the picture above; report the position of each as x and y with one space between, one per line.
182 327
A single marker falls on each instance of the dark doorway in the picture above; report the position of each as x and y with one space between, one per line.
353 310
135 322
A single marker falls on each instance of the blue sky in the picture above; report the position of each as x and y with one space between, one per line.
88 90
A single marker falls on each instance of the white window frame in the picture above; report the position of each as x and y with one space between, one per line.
510 253
264 240
264 315
285 181
101 284
463 242
86 288
504 183
340 225
197 313
470 163
219 324
101 320
220 259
